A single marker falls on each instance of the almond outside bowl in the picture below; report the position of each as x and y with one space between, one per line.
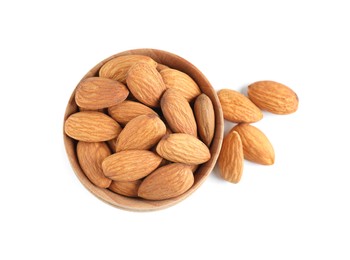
137 204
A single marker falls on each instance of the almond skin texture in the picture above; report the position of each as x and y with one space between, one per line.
238 108
273 97
205 117
81 109
117 68
183 148
112 143
161 67
176 79
141 133
130 165
178 113
126 188
166 182
194 167
89 126
231 158
90 156
97 93
127 110
256 146
146 84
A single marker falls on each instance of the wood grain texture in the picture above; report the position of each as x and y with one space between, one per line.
137 204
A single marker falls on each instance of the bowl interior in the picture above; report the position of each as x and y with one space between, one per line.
137 204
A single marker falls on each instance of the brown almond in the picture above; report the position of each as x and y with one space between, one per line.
256 146
205 117
82 109
97 93
194 167
176 79
90 156
126 188
166 182
117 68
130 165
238 108
141 133
164 161
112 143
146 84
273 97
89 126
231 158
183 148
178 113
127 110
161 67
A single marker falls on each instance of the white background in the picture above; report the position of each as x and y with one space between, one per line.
295 209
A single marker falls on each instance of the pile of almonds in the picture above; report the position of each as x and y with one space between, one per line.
143 128
137 128
245 141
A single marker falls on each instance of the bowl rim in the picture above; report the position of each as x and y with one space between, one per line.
138 204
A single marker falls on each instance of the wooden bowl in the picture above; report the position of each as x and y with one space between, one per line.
137 204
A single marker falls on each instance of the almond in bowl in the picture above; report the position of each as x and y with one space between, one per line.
149 133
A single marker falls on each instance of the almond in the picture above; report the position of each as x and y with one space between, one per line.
112 143
256 146
193 167
97 93
166 182
130 165
126 188
102 110
178 113
161 67
117 68
127 110
141 133
146 84
89 126
205 117
273 97
231 158
238 108
90 156
164 161
182 82
183 148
